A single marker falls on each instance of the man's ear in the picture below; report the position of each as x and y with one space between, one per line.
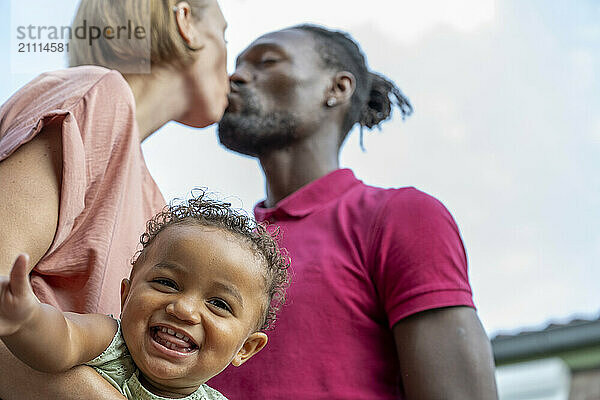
252 345
342 88
125 286
187 25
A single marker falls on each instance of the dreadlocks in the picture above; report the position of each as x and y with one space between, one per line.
374 96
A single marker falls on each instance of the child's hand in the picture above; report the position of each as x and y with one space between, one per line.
17 301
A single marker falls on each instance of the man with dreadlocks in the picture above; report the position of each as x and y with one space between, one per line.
380 305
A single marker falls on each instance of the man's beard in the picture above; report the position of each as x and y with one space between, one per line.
254 132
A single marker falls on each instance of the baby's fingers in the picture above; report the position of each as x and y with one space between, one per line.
19 278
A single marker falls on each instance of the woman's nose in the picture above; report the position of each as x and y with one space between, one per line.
185 309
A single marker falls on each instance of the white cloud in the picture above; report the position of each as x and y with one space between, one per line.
583 68
405 21
595 132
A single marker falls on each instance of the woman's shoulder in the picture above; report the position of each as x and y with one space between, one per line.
60 90
84 80
86 92
82 72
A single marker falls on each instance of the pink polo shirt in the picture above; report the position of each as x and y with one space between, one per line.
363 258
107 193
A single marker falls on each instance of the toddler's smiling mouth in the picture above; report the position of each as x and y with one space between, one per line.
172 340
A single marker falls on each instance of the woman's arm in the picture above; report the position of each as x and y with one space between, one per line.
20 382
42 336
29 203
29 200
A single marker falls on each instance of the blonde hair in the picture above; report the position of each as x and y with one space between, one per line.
161 43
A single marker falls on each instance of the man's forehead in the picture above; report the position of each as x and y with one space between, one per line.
288 34
291 40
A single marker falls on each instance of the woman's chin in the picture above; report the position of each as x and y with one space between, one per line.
202 121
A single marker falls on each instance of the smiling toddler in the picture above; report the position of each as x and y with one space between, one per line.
205 286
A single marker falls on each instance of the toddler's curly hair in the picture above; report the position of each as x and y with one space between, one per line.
204 211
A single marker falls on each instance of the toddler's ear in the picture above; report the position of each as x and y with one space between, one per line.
125 286
253 345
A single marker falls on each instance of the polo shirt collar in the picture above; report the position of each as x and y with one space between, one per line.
310 197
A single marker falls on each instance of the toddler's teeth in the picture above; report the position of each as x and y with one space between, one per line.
179 335
170 331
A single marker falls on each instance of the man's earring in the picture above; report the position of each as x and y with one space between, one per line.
332 101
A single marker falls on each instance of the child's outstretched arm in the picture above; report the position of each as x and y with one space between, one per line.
42 336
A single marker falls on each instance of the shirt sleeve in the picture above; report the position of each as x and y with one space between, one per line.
115 363
417 255
93 135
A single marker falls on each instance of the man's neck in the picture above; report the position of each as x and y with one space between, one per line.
287 170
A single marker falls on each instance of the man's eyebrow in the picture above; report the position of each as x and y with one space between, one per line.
232 290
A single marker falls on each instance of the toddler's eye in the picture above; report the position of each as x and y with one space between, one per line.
220 304
166 282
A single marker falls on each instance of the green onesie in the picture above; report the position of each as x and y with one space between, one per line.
117 367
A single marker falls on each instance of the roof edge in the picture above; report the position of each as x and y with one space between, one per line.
541 343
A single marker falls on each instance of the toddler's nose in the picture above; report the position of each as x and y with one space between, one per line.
185 310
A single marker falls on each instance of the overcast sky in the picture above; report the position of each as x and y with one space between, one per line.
506 132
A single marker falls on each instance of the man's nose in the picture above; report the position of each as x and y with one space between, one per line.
240 77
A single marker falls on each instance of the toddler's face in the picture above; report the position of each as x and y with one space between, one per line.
192 307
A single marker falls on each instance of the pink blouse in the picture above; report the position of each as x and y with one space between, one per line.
107 193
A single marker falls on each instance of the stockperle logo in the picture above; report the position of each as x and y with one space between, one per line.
44 33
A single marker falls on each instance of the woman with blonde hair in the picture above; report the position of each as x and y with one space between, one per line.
76 191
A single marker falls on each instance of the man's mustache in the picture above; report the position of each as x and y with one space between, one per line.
243 100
